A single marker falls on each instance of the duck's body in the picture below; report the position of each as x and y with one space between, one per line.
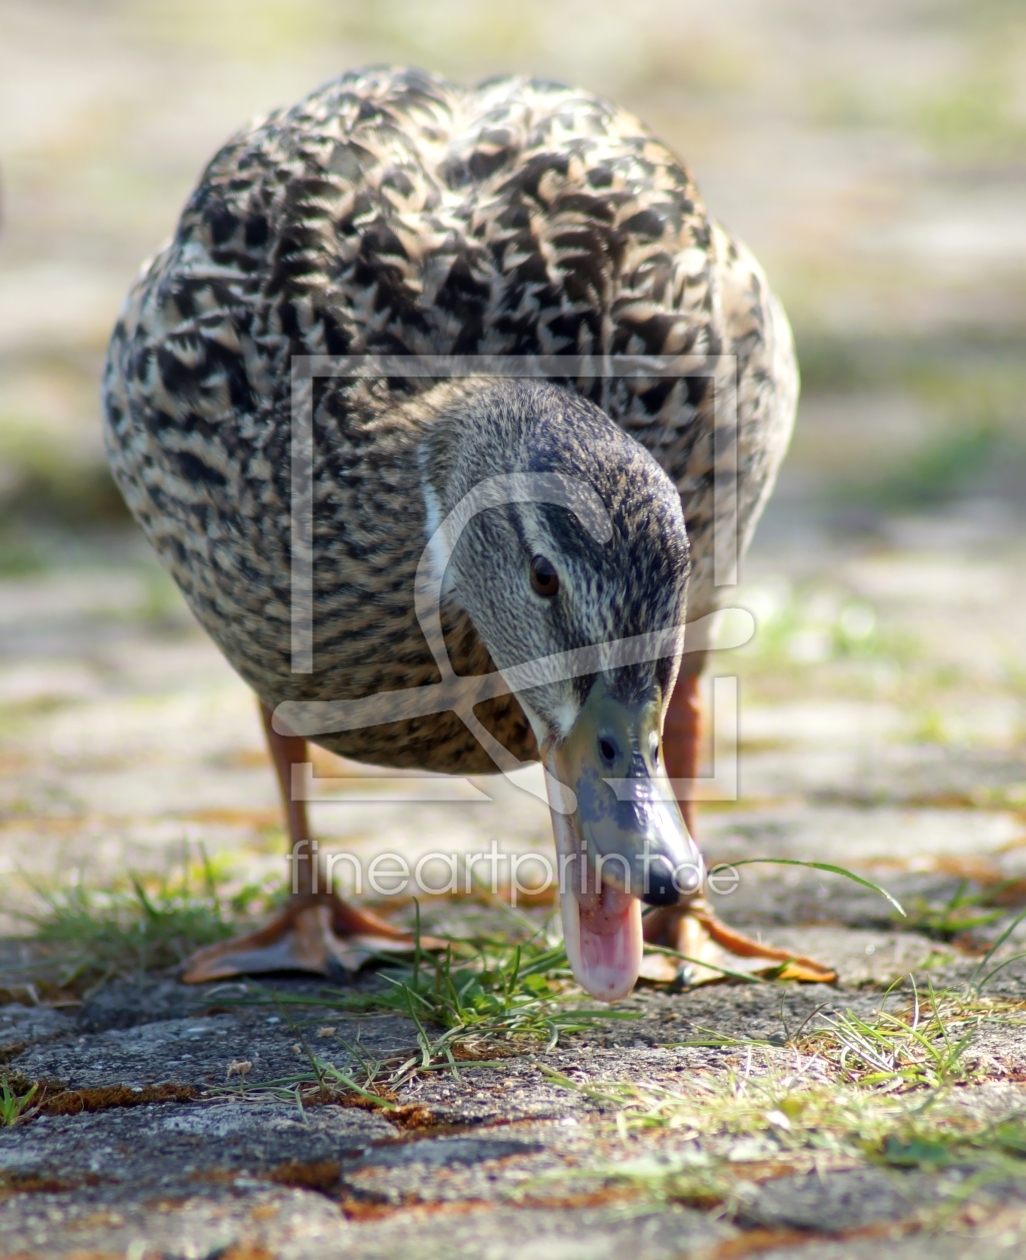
392 212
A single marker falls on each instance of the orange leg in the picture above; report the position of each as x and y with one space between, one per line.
682 743
693 929
682 738
317 931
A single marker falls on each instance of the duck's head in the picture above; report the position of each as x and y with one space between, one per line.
552 571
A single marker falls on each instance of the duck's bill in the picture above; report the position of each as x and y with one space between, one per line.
624 845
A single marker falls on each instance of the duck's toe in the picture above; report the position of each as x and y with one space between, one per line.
322 935
699 949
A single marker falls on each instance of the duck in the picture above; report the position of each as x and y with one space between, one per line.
508 535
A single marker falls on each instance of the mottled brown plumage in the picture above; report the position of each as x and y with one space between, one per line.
391 211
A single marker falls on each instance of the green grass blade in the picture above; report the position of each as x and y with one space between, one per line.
1000 967
995 947
416 944
822 866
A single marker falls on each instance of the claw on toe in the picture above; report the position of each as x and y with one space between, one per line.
321 936
717 952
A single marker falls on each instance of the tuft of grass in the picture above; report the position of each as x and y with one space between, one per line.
923 1047
961 913
13 1103
141 925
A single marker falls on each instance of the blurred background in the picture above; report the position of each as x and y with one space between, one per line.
873 155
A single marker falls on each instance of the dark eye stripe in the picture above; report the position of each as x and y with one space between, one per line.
544 578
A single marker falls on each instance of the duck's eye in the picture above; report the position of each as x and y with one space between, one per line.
544 578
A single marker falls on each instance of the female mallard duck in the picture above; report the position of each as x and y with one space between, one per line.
393 212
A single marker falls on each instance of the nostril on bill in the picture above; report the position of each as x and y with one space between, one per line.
660 888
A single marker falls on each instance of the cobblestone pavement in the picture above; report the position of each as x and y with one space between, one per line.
881 728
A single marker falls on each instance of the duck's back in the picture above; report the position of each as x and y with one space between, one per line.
393 212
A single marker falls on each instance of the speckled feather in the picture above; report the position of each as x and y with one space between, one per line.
391 211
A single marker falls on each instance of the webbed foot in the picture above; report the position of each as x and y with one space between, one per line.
320 934
712 951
